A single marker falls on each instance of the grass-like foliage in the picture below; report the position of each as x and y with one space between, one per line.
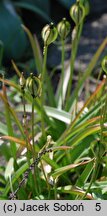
53 148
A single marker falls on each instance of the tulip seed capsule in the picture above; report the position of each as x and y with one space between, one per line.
49 34
77 13
63 28
33 85
104 64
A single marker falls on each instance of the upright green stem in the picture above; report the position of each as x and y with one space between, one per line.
33 143
43 91
55 191
23 101
73 57
34 153
25 127
62 75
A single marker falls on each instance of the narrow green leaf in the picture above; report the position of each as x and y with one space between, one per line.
80 136
9 124
97 185
89 101
58 114
74 190
85 174
62 170
34 46
13 114
14 139
70 132
76 151
16 68
8 82
3 128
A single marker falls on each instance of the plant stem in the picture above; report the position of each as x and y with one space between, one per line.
62 61
55 190
33 143
43 91
25 127
72 60
33 152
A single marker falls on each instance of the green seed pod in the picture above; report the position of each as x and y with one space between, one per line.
63 28
86 5
104 64
77 13
49 34
22 81
33 85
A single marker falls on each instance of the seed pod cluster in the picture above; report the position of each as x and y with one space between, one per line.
49 34
63 28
